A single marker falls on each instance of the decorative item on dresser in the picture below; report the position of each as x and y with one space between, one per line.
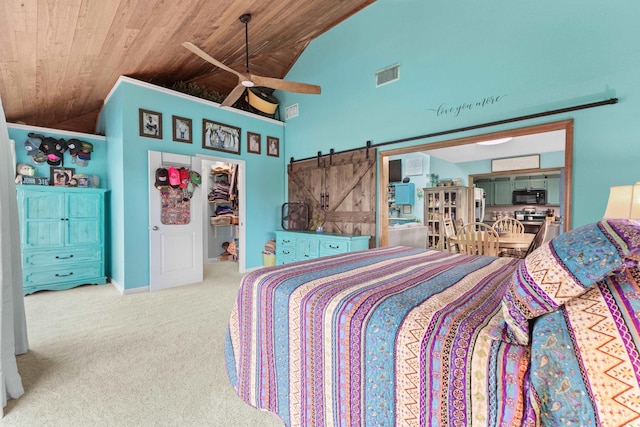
61 237
294 246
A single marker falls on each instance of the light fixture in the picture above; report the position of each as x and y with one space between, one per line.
624 202
495 141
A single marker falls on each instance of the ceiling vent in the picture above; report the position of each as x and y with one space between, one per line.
388 75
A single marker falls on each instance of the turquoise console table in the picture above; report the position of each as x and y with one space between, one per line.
62 237
304 245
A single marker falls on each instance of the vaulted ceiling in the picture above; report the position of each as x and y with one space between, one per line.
60 58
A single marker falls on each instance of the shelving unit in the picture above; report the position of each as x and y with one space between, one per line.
223 226
443 203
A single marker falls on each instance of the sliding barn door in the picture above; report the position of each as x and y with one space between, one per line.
341 189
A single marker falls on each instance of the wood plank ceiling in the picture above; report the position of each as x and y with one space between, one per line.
60 58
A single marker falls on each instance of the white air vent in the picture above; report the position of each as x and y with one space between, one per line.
291 111
388 75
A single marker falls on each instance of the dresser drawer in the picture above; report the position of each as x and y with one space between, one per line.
285 241
61 256
57 274
286 252
331 247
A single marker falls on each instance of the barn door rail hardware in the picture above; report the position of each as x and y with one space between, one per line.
610 101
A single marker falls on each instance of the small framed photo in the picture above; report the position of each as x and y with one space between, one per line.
83 181
253 142
150 123
181 129
273 146
61 177
220 137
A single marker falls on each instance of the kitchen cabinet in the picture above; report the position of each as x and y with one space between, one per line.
530 182
553 190
443 203
503 189
488 187
405 193
62 237
294 246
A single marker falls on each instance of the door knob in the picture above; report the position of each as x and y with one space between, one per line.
155 228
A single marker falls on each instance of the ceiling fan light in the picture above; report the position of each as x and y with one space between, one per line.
247 83
495 141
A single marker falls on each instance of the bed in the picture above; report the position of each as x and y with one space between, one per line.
410 337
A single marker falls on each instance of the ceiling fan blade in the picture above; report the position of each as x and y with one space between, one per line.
204 55
233 96
285 85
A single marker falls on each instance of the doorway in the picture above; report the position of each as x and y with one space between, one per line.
223 193
383 156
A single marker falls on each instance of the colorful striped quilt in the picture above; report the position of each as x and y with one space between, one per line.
383 337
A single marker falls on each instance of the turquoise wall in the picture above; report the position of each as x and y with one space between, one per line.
514 58
129 175
116 264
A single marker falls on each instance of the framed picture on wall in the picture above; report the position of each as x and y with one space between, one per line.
60 177
150 123
181 129
273 146
253 142
220 137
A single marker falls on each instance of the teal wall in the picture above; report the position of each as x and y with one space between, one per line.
129 174
532 57
116 264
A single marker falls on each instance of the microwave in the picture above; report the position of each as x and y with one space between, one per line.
529 197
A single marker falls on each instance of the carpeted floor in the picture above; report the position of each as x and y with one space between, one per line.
98 358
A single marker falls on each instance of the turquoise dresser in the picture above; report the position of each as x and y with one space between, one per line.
304 245
62 237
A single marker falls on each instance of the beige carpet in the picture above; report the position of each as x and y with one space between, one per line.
98 358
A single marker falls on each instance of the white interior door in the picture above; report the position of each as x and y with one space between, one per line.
175 250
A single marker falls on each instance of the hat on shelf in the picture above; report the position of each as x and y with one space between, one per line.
185 177
174 177
53 150
196 179
162 178
32 145
73 145
39 158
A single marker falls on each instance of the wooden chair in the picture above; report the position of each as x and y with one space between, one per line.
511 226
477 238
508 225
539 238
449 231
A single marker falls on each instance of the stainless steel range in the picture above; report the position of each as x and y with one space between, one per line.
535 216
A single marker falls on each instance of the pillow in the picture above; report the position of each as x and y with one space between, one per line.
562 269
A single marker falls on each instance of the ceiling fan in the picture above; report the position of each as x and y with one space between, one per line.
248 80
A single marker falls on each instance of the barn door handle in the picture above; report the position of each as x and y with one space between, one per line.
326 201
322 201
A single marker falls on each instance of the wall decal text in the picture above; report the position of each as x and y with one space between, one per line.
444 110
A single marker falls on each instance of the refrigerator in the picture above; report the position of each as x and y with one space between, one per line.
479 197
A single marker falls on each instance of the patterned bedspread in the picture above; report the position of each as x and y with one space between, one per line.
585 363
383 337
